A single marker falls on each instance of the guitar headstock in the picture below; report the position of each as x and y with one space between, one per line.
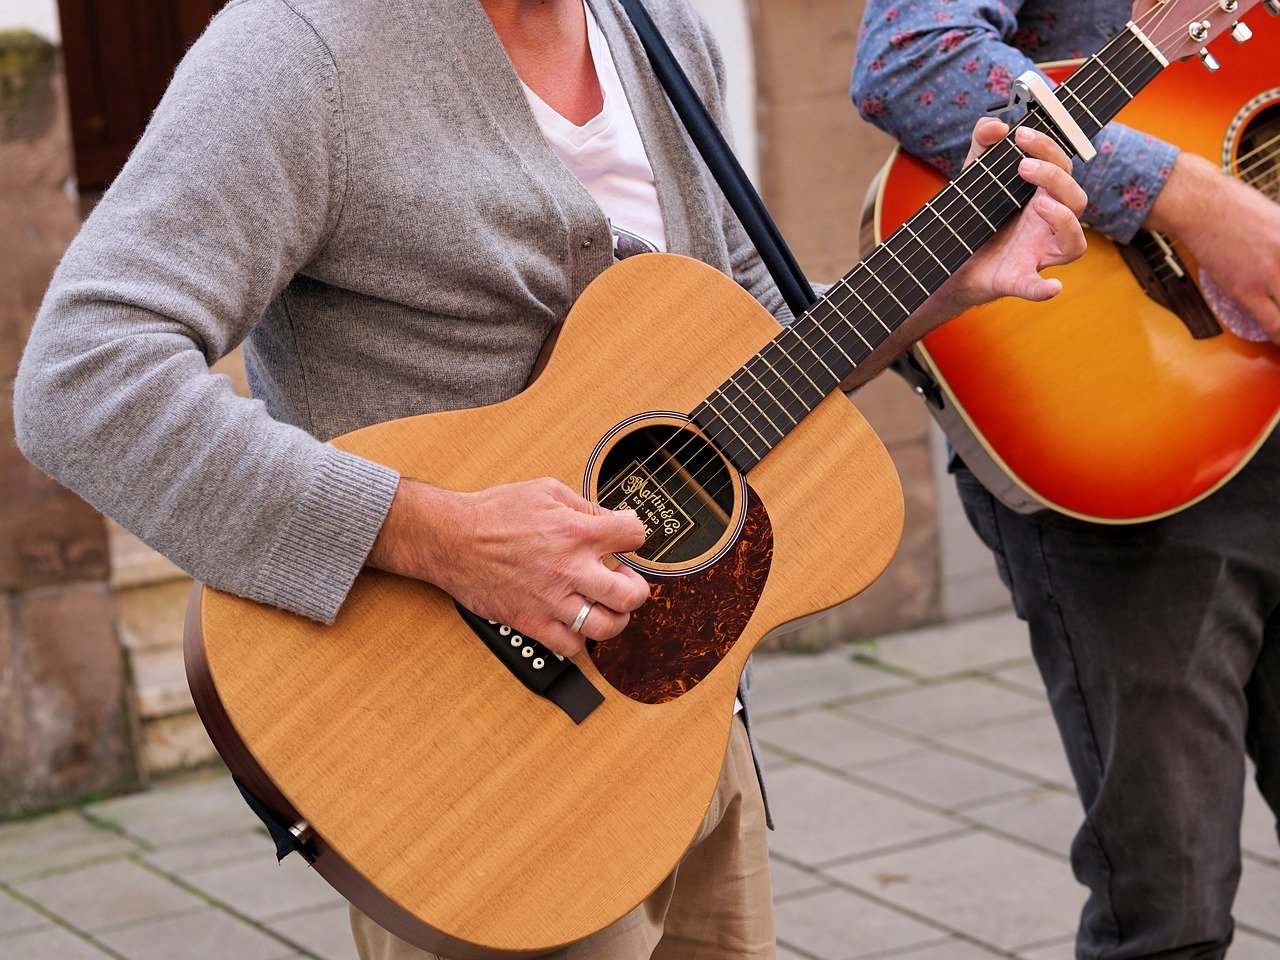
1183 28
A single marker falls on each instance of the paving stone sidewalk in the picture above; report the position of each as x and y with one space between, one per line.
923 806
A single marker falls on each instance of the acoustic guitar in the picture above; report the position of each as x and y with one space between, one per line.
477 795
1142 388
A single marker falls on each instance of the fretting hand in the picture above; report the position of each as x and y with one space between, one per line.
1046 233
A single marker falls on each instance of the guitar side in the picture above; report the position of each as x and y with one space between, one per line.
1099 405
460 810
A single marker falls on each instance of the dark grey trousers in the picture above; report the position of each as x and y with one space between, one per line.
1160 647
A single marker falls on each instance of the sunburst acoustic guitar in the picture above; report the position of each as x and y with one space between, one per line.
1142 388
453 778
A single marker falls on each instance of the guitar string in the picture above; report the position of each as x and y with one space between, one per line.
700 507
1251 176
820 357
713 456
695 507
1261 161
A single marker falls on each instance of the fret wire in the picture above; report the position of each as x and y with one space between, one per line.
943 220
785 383
747 369
728 423
823 330
780 400
1066 88
997 180
929 250
708 425
1128 92
874 275
759 407
723 418
796 363
975 207
811 319
750 421
888 248
763 359
844 282
930 263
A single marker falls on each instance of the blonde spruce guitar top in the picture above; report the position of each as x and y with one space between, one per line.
478 814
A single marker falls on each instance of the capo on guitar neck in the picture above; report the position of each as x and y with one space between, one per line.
1032 88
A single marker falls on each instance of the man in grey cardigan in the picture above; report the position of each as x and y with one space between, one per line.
361 193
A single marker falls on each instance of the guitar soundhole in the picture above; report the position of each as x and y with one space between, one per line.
1257 158
677 482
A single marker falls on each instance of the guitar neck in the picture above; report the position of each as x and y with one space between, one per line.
763 401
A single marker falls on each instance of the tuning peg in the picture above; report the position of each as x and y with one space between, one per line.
1209 60
1272 7
1241 33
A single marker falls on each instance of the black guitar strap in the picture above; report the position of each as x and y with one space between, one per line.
724 166
738 189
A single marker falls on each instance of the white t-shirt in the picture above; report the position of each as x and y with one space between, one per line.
607 156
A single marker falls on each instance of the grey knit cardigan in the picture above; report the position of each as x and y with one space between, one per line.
358 188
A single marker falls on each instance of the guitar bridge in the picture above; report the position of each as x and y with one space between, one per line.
545 673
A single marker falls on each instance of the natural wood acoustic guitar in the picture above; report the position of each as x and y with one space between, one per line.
475 794
1133 394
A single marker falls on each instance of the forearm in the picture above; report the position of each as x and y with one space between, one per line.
1185 205
117 405
234 186
420 526
925 82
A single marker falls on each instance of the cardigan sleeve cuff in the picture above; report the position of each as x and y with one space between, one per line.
1124 180
324 544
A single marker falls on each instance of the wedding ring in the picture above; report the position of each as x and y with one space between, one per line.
581 618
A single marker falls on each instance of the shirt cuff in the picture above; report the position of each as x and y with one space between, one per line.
1123 181
326 541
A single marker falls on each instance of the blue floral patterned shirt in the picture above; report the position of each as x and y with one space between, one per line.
927 71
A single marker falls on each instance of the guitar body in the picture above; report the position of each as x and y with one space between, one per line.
467 814
1100 404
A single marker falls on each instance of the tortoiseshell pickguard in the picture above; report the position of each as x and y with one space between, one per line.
691 622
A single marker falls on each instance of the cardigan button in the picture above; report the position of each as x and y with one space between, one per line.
586 244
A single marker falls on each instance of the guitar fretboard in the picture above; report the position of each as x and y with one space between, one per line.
751 412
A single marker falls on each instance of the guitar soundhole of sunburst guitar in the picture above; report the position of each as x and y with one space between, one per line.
677 482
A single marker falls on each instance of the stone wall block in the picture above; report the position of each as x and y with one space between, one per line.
47 534
13 728
72 689
35 138
818 161
38 214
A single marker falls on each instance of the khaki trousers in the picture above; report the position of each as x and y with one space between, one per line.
716 905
